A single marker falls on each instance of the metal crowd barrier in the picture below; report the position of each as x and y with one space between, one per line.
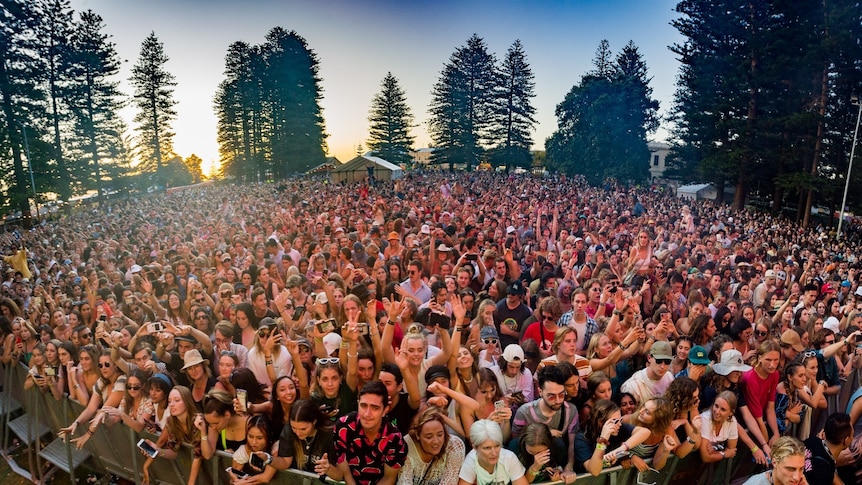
36 418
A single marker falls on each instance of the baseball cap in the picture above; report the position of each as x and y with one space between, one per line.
698 356
510 229
661 350
426 229
513 352
769 274
791 338
516 288
489 332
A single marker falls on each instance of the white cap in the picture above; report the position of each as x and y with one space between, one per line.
425 229
513 352
331 342
510 229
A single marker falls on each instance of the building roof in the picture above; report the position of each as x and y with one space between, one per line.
362 161
693 188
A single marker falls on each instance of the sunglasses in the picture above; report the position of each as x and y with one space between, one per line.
85 335
104 365
229 353
328 360
663 361
489 341
810 353
134 388
761 334
264 334
549 318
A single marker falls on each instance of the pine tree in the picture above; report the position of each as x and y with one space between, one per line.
55 40
295 131
462 105
389 134
154 98
603 121
21 75
96 100
237 105
514 115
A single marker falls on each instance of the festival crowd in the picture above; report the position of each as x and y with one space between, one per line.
445 328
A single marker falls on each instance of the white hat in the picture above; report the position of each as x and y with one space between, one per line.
425 229
731 360
331 342
513 352
510 229
135 268
443 248
832 323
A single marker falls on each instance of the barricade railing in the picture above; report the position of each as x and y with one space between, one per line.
113 450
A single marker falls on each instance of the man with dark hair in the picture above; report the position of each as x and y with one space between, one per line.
260 307
414 284
368 448
839 435
404 398
551 409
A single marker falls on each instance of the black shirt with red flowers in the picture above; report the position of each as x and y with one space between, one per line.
367 459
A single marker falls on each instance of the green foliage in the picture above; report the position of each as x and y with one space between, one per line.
94 100
462 105
604 120
763 94
268 108
154 98
391 120
514 115
21 98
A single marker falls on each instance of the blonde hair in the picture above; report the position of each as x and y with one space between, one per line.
785 447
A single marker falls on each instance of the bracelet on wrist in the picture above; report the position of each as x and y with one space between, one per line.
601 447
754 449
204 437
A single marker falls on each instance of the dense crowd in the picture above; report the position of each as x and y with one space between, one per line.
445 328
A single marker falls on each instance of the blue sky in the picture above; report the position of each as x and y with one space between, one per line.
358 42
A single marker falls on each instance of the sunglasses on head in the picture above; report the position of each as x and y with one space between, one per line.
328 360
229 353
489 341
810 353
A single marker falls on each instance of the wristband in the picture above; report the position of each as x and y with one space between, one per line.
345 345
622 347
390 322
754 449
601 447
204 437
268 362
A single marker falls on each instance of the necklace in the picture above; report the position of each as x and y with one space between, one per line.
467 381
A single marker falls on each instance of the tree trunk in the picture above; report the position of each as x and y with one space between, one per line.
818 141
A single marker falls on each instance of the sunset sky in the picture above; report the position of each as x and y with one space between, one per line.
358 42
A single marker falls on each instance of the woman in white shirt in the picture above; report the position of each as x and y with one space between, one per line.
488 462
718 429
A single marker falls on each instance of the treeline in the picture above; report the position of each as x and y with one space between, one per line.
763 99
60 103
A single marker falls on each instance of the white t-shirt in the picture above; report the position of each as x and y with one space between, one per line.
643 388
508 469
728 429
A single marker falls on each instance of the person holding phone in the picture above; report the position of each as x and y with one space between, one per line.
180 428
268 358
306 441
